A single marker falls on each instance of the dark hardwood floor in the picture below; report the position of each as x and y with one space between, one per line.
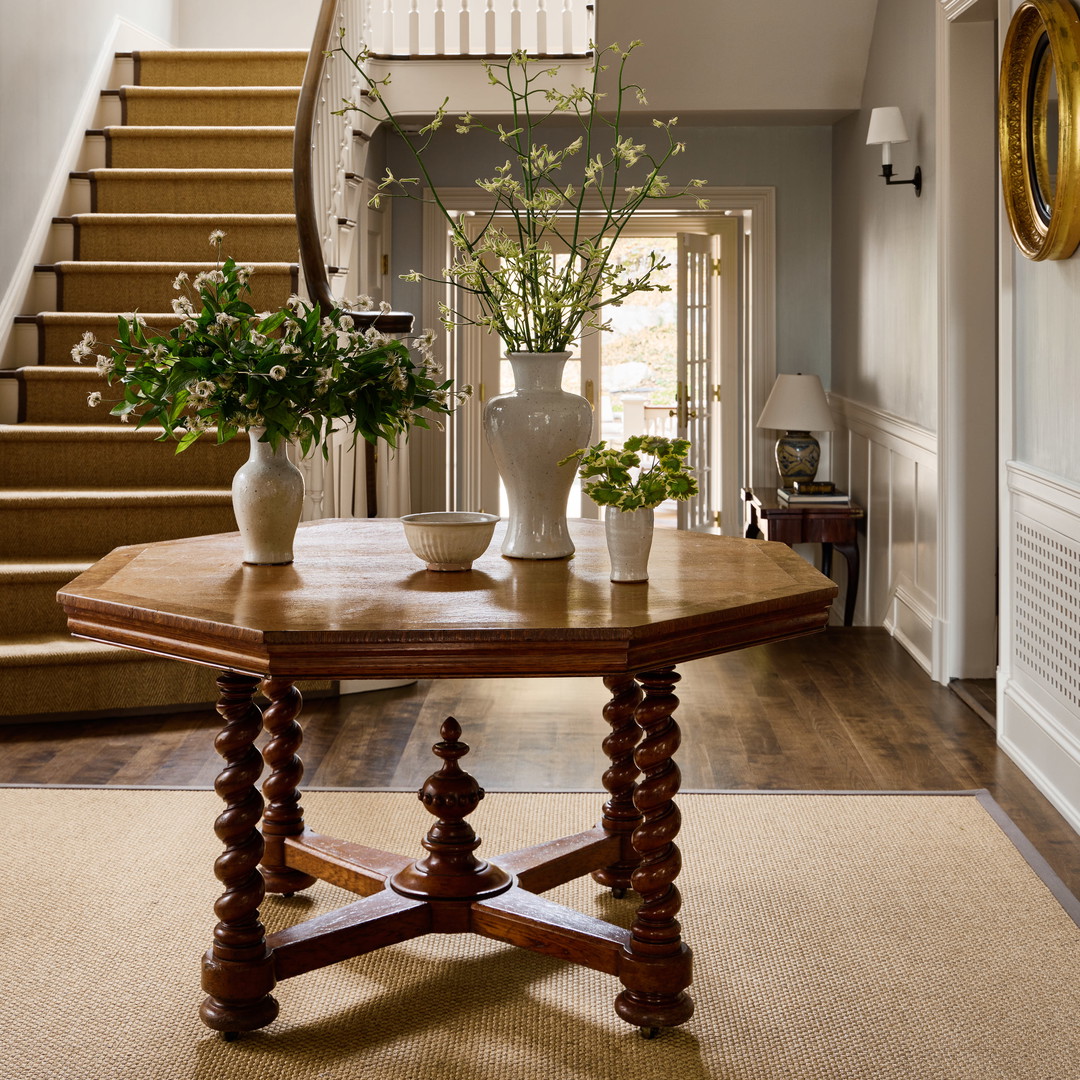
844 710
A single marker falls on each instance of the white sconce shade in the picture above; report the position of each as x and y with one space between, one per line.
886 127
797 403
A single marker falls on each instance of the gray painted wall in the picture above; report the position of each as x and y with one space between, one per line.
794 160
884 297
1046 307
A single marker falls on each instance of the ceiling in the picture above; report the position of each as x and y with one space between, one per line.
745 61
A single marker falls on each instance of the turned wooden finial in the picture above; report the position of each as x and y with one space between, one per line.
450 868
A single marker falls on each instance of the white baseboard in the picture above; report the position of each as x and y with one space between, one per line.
1046 752
911 620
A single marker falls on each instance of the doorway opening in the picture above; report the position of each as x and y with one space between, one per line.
724 346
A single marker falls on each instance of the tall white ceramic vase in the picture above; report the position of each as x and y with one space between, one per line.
530 430
267 499
629 536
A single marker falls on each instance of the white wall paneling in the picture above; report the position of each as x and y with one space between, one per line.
1039 692
890 466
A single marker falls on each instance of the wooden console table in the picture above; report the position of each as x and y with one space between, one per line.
828 524
357 604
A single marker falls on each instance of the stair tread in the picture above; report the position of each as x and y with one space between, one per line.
97 496
88 432
42 649
122 173
183 89
143 217
59 317
38 567
170 130
50 372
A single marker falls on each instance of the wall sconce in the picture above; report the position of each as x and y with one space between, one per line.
797 405
886 128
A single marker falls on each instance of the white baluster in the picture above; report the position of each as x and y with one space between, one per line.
515 26
414 28
359 14
388 37
465 30
440 28
541 28
567 27
490 29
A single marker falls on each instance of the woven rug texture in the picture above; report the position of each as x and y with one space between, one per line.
836 937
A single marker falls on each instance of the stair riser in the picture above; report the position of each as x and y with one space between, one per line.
56 339
175 194
138 242
93 531
141 682
30 607
120 291
235 69
199 152
235 109
46 401
82 465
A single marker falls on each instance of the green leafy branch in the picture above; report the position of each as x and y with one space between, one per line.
540 264
615 477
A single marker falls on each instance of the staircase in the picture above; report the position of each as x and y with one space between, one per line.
189 142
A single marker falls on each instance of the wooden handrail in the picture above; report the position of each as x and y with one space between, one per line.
312 258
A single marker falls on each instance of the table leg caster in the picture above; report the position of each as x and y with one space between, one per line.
649 1032
230 1036
618 894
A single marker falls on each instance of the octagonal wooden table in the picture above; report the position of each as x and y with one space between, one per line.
357 604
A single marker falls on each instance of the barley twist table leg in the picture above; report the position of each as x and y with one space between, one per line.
238 972
283 815
620 814
655 967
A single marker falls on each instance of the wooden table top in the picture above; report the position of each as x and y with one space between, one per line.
356 603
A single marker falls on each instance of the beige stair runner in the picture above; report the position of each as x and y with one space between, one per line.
205 144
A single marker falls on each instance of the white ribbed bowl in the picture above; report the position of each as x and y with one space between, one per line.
449 539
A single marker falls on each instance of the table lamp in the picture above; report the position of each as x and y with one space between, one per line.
797 405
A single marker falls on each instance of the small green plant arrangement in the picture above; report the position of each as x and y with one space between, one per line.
614 477
536 300
294 372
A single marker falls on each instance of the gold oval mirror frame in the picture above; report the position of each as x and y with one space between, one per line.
1038 107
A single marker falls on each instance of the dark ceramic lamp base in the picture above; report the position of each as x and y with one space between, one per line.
797 457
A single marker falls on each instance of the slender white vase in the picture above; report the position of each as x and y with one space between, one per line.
267 499
530 430
629 536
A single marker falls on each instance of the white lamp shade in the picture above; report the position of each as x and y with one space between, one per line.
886 126
797 403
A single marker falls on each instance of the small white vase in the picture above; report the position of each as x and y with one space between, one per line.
530 430
267 499
629 536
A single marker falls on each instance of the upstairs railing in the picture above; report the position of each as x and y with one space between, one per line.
462 28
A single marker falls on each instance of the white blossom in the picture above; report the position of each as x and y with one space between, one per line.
216 237
277 373
93 399
83 348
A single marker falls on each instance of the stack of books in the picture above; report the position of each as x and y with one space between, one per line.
812 492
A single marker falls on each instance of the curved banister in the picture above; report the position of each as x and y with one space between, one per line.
311 111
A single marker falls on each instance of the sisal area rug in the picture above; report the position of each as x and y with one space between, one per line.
836 937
